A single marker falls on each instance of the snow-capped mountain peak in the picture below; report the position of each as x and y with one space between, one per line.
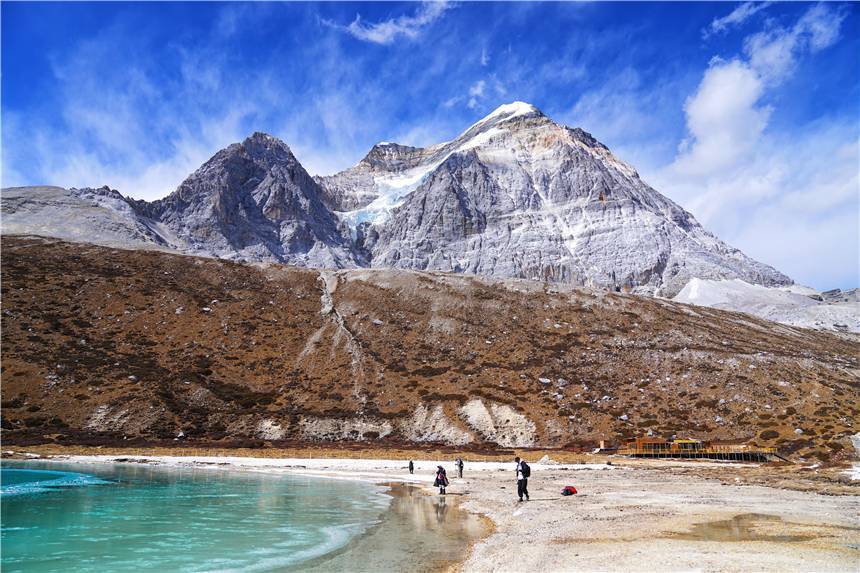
519 195
498 119
379 183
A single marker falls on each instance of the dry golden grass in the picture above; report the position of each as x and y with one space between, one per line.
308 452
102 346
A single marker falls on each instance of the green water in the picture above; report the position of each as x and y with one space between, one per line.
106 518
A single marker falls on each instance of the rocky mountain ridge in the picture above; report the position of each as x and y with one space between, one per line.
516 195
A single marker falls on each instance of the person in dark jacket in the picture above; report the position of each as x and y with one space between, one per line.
441 479
411 467
522 481
459 467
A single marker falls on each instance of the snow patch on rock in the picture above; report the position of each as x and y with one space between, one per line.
344 429
783 304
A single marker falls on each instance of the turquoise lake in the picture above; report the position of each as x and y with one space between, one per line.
125 517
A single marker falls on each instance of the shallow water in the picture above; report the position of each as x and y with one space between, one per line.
76 517
419 533
744 527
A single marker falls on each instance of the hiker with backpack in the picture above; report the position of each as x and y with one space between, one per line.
523 473
441 479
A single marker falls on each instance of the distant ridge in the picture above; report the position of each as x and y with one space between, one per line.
516 195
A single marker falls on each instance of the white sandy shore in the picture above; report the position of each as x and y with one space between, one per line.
363 469
623 519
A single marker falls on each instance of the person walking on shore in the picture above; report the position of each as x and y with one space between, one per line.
441 479
411 467
523 473
459 467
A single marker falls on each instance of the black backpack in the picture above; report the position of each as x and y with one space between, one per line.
525 470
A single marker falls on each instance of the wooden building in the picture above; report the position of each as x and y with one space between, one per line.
696 449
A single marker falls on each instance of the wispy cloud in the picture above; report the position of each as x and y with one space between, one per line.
143 128
476 92
479 93
741 179
772 53
125 132
734 19
389 31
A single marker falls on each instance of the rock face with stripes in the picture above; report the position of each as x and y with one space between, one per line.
255 201
518 195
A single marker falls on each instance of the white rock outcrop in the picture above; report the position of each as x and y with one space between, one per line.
270 430
499 423
327 429
429 423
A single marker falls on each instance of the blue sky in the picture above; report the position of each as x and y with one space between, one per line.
748 115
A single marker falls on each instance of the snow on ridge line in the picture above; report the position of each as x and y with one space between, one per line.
511 110
393 188
706 292
777 304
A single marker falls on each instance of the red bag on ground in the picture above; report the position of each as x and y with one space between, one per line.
568 490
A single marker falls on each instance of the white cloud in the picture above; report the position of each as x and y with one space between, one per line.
808 225
768 192
116 159
476 92
737 17
724 118
111 136
389 31
452 101
134 131
339 138
485 57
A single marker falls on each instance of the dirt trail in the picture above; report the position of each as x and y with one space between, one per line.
622 520
329 281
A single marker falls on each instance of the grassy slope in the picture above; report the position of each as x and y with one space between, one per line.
103 346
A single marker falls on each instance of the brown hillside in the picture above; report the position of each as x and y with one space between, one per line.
102 345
